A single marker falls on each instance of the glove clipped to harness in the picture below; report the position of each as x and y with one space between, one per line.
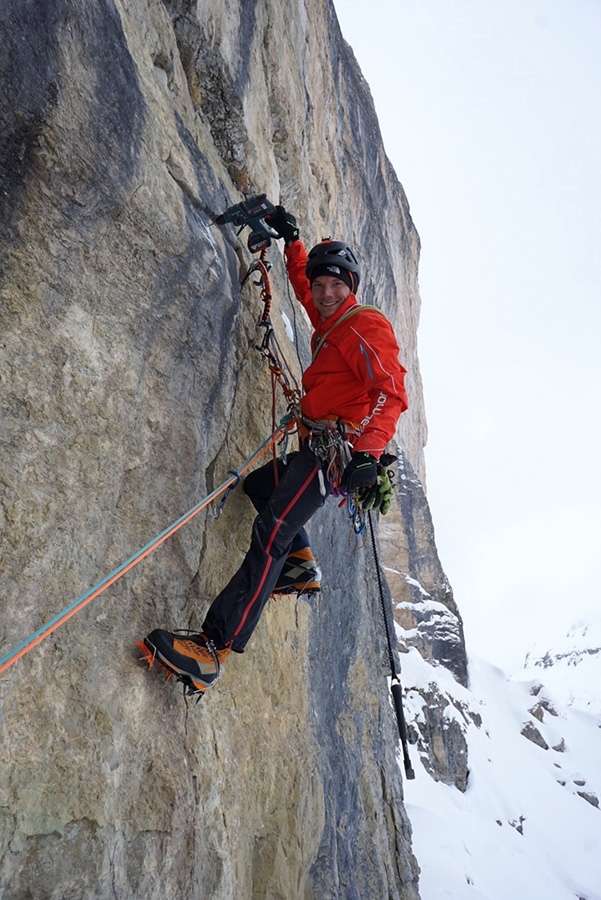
361 472
378 496
284 223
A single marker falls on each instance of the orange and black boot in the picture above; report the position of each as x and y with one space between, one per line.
300 574
190 657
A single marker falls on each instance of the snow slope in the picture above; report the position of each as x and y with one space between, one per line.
572 668
521 830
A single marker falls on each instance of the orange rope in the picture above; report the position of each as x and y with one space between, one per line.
101 586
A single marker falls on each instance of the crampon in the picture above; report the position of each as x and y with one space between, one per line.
189 656
150 656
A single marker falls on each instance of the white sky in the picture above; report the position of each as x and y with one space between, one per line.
490 112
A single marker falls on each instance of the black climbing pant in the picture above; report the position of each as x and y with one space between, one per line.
261 484
233 615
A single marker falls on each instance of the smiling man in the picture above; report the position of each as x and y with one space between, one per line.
353 395
329 293
354 375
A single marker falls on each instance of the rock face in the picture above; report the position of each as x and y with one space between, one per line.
130 385
423 600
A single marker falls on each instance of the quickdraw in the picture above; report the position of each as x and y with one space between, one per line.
254 213
232 486
357 517
270 349
330 446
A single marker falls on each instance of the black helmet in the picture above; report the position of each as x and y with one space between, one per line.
333 253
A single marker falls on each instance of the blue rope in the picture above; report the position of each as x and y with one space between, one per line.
50 626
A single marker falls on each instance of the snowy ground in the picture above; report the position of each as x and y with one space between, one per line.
520 831
572 669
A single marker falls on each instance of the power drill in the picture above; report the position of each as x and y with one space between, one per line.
252 212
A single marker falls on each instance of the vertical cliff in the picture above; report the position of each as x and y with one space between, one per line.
130 385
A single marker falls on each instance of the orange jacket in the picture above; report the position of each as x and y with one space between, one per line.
356 375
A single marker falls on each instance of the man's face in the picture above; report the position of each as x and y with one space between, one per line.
329 293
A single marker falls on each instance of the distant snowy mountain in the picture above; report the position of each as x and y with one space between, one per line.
572 669
527 826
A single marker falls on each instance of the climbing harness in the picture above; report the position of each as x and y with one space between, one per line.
395 686
69 611
327 440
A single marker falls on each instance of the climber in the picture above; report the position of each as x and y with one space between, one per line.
353 396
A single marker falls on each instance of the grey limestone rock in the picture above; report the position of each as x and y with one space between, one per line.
130 385
531 732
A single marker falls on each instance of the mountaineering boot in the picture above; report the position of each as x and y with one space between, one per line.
300 574
191 657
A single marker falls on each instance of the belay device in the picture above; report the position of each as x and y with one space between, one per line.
251 213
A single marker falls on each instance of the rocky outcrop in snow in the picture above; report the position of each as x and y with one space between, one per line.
528 801
427 619
571 668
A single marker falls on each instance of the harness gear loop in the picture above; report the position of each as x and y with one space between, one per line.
327 440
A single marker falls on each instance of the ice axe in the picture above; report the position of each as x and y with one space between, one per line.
396 686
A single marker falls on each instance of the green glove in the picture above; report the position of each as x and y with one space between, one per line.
284 223
379 496
360 472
